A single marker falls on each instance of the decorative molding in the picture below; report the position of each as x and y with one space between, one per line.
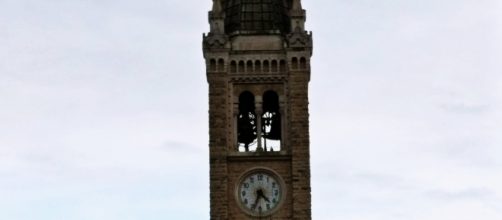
299 39
258 78
263 156
214 41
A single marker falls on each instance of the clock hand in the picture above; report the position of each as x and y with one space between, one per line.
259 194
264 197
256 202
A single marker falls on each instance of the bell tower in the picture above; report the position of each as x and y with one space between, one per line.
257 55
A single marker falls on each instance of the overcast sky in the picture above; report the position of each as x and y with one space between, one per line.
103 110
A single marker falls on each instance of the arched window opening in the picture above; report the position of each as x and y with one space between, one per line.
303 63
221 65
246 123
257 66
233 66
282 66
294 63
274 65
266 66
212 65
241 66
249 66
271 122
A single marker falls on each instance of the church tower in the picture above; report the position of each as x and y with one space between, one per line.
257 57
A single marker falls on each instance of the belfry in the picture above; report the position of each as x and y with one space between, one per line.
257 55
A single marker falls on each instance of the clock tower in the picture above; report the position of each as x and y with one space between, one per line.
257 55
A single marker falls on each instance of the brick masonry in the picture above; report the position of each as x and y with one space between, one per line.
258 63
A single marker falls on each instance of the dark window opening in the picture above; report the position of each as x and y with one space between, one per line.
294 63
212 65
249 66
246 123
233 66
282 66
266 66
271 122
257 66
221 65
274 65
303 63
241 66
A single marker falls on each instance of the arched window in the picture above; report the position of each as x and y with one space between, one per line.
257 66
294 63
246 122
282 66
274 66
249 66
241 66
303 63
233 66
221 65
266 66
271 122
212 65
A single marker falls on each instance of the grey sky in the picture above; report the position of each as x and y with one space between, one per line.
103 110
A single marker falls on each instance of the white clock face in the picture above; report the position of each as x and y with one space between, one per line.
260 193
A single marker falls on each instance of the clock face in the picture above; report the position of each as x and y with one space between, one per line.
260 192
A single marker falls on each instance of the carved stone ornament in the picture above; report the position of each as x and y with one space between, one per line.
215 41
299 38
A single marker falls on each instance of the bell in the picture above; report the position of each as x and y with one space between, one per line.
275 129
246 129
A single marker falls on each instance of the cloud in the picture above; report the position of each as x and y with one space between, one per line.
103 110
470 194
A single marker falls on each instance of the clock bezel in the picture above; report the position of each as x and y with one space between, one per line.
267 171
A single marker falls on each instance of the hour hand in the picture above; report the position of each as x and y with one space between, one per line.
256 202
259 194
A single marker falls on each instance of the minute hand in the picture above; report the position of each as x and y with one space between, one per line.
261 194
264 197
